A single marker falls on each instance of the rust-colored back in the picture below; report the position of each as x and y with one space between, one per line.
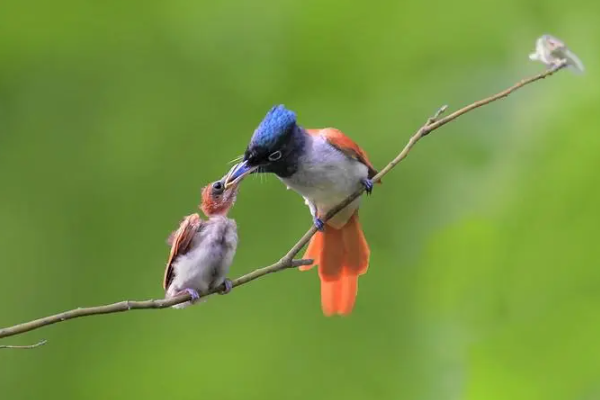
180 243
343 143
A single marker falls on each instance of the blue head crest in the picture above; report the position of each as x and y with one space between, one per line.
276 123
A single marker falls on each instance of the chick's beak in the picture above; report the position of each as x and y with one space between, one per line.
237 173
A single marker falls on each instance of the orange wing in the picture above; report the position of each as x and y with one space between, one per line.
180 241
343 143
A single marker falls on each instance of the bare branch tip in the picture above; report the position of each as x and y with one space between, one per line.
24 347
439 112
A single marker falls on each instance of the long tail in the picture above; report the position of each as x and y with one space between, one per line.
342 256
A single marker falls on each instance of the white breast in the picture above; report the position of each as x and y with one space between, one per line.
326 177
206 265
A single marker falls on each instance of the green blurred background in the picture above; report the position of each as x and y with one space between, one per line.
484 272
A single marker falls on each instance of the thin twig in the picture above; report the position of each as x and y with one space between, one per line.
23 347
286 261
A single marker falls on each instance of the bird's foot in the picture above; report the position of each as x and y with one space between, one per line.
319 224
368 184
193 294
228 286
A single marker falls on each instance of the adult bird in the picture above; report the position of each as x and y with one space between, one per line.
324 166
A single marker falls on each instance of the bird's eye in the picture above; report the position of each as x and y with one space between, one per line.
217 187
274 156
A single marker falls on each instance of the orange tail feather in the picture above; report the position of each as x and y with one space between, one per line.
348 292
313 251
357 253
332 254
342 255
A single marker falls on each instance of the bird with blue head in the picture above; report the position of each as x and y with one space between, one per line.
324 166
274 147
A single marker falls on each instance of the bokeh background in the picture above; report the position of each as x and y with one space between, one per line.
484 279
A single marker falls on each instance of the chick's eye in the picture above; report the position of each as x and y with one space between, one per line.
274 156
217 186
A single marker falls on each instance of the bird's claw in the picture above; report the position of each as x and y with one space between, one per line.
368 184
228 286
319 224
193 294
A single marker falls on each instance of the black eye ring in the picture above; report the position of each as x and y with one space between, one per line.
274 156
218 186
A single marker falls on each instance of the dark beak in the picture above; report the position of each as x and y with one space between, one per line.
238 172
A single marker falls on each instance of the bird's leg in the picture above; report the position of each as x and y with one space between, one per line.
319 224
228 286
193 294
368 184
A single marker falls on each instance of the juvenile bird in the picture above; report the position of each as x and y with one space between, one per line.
202 251
552 51
324 166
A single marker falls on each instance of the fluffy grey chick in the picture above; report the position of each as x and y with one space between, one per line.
202 251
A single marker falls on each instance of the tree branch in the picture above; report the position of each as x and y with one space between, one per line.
287 261
129 305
